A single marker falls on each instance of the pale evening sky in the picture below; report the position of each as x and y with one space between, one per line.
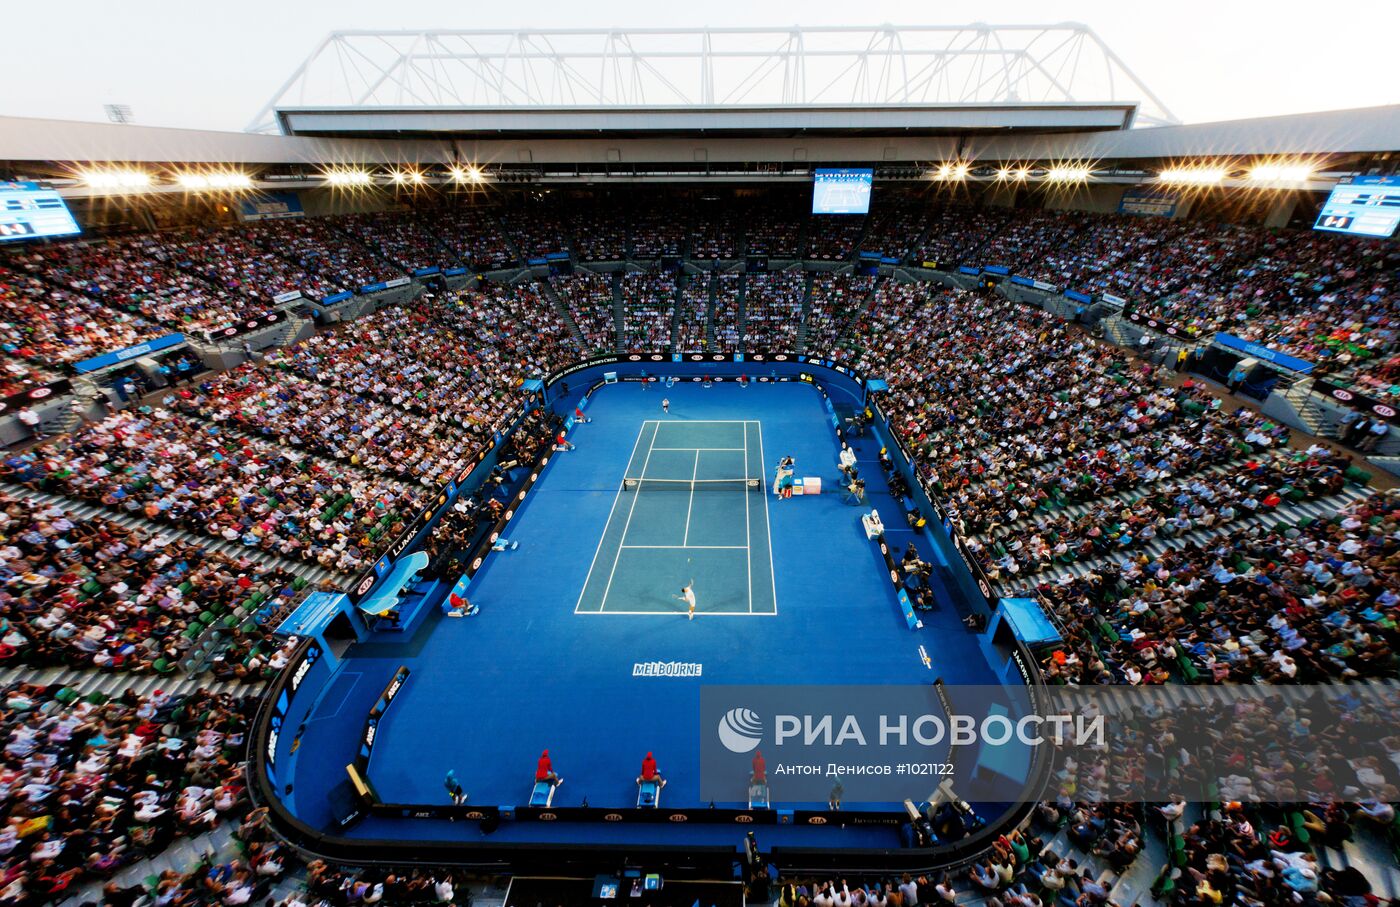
213 65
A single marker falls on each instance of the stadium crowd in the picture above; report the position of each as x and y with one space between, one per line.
1048 448
93 784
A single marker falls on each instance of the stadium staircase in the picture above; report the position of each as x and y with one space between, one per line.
808 281
710 310
677 304
1320 421
87 681
552 294
741 312
910 256
519 256
313 573
1286 514
619 312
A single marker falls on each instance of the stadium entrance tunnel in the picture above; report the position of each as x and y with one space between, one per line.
326 799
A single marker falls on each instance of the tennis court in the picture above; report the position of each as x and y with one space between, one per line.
690 505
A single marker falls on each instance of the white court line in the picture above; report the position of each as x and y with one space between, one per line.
748 541
674 613
627 524
768 520
694 474
698 448
691 547
604 534
602 606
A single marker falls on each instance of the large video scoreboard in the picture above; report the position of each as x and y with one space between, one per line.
28 211
1362 205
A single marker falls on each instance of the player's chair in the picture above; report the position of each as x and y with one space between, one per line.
543 794
649 794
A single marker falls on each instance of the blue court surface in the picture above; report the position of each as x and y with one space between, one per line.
787 592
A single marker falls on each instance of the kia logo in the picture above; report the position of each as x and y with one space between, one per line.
613 817
741 818
476 814
634 357
548 817
816 820
39 393
678 817
495 535
476 564
1341 394
1383 410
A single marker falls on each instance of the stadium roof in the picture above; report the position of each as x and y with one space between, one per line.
1041 77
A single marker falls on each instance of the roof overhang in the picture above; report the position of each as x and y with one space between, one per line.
757 121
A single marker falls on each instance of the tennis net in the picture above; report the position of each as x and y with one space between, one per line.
687 486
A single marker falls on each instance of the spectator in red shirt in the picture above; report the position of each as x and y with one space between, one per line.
544 771
650 772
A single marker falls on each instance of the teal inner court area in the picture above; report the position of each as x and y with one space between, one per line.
690 511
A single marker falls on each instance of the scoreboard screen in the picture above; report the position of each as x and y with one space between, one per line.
842 191
1362 205
30 212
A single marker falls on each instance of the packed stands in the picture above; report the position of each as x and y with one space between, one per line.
773 310
230 257
955 232
45 326
658 230
536 230
648 300
724 323
712 235
320 247
88 592
833 237
473 234
598 233
589 299
403 238
774 230
140 276
99 783
836 300
692 318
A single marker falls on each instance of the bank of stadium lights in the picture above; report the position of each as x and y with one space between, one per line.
1281 173
407 177
470 174
1013 174
954 172
1068 174
124 180
347 176
204 182
1193 176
